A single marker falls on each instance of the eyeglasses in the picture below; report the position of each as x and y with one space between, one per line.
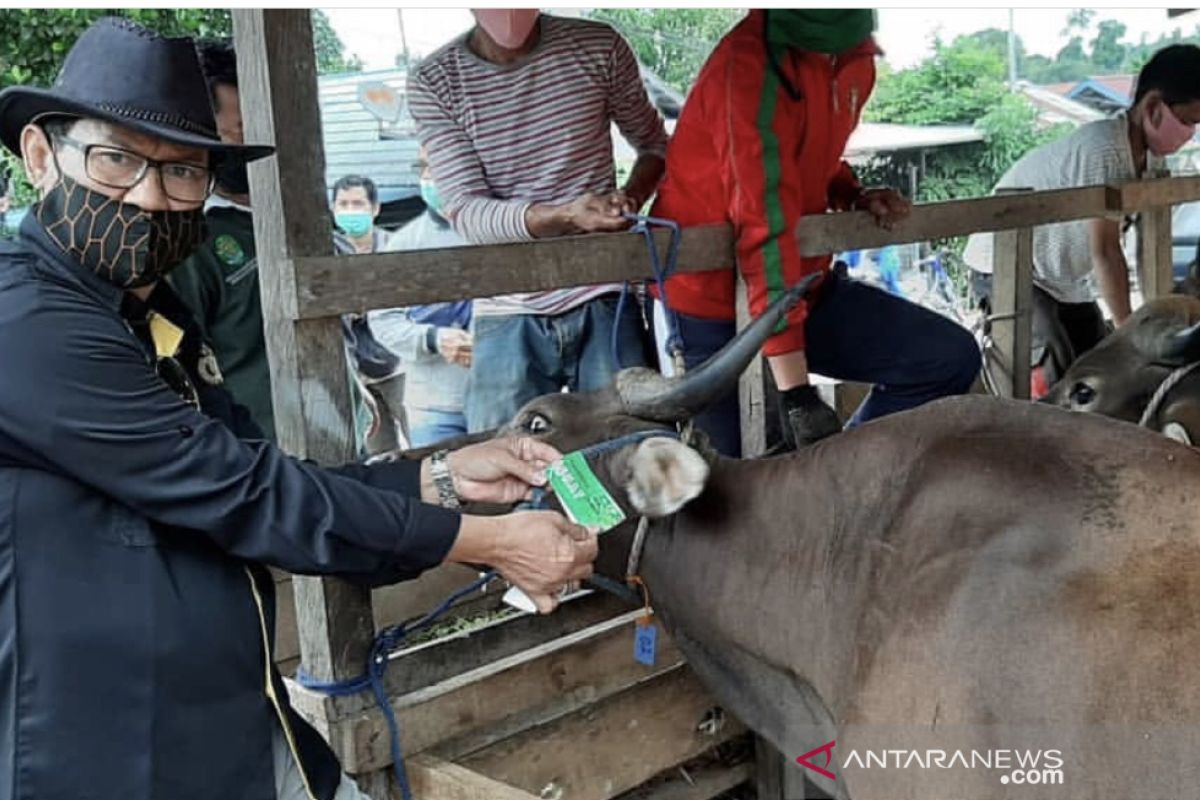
118 168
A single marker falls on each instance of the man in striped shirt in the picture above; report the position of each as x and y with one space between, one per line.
516 117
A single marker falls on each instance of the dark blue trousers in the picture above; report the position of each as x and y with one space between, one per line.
855 332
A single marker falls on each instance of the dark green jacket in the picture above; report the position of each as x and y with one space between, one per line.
219 283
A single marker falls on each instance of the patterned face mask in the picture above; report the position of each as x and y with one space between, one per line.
123 244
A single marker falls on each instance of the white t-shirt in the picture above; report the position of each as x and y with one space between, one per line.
1097 153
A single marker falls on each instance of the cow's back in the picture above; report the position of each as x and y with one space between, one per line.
1043 593
977 574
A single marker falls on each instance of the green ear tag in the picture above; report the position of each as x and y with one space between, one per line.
583 497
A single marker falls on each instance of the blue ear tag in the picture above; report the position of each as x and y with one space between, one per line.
645 642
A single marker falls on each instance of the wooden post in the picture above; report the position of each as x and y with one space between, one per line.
778 777
1012 309
751 388
309 379
1155 259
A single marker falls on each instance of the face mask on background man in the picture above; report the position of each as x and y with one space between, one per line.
356 224
507 27
1168 133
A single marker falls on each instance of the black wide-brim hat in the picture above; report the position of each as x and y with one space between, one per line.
123 73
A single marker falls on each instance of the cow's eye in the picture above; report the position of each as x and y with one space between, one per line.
537 424
1082 394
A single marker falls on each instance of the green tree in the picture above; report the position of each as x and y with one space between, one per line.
996 40
44 35
36 41
331 53
674 43
1078 21
961 83
1108 53
956 85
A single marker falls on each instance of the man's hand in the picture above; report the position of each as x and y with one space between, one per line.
497 471
598 213
454 345
540 552
806 417
628 203
887 206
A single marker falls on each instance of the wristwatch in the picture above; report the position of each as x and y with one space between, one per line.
443 480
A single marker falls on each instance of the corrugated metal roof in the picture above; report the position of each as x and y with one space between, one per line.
352 134
1054 107
870 138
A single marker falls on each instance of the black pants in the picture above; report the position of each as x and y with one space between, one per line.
1062 332
856 333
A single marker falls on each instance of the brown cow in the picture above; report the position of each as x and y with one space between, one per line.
1119 378
944 594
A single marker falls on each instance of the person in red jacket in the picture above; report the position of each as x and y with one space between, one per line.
759 145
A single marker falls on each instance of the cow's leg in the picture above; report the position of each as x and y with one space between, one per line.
775 703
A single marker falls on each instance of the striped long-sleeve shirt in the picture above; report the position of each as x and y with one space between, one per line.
503 137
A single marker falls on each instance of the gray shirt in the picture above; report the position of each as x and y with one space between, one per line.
1097 153
432 382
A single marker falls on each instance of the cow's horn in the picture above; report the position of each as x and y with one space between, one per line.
1182 347
648 395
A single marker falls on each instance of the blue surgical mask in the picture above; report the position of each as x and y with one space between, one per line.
356 224
429 194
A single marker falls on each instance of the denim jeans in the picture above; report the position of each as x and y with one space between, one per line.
856 332
522 356
430 425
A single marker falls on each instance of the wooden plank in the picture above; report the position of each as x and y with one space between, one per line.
1156 263
777 777
1156 259
752 402
310 386
390 604
385 280
627 739
436 779
702 784
856 230
442 659
844 397
1158 191
1012 302
287 639
474 709
377 785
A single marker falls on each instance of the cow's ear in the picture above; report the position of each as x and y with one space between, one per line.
665 475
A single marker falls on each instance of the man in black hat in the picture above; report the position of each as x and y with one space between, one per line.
137 509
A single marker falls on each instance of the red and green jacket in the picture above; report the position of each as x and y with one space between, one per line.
759 146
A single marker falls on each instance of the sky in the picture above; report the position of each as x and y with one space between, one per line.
904 33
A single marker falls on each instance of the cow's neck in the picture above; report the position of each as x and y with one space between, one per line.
757 562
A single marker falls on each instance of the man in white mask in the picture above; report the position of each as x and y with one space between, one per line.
1076 263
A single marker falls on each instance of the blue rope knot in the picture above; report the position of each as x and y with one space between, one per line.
645 225
386 642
